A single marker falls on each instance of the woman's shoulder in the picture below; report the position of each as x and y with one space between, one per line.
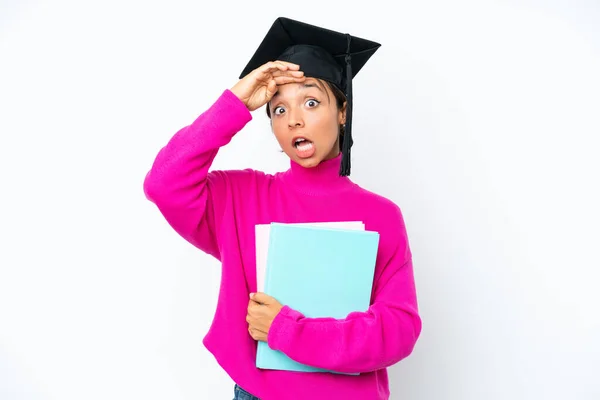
381 202
381 211
385 216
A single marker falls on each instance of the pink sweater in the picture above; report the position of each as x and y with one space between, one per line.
217 212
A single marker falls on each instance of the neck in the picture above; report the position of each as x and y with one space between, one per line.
324 178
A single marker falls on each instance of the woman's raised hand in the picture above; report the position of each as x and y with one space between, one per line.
259 86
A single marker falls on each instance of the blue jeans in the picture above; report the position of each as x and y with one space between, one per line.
241 394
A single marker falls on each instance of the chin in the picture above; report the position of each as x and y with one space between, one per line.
309 162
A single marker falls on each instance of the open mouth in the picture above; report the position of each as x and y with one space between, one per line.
302 143
304 147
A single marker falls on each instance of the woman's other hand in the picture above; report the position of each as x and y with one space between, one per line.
262 310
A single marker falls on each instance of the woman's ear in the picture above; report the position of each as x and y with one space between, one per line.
342 114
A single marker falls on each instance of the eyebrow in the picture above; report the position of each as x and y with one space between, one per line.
309 85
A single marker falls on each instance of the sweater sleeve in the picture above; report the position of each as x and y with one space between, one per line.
179 183
364 341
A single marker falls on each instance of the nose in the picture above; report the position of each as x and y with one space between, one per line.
295 119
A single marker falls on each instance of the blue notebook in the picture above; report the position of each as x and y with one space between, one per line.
321 272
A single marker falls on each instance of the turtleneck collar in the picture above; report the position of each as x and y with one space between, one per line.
323 179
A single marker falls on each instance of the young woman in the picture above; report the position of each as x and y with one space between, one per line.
307 93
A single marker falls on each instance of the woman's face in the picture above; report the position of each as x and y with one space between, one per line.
305 120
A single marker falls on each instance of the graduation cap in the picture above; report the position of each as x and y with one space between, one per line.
321 53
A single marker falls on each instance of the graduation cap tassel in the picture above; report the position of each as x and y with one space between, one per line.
347 142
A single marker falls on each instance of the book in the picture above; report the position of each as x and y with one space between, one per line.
262 233
320 271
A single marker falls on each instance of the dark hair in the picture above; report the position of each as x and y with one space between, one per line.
340 99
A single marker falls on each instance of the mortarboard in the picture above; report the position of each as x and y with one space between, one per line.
321 53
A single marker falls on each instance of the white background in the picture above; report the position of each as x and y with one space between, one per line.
479 118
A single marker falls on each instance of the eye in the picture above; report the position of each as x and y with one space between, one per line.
312 103
278 110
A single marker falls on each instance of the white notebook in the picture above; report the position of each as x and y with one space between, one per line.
262 244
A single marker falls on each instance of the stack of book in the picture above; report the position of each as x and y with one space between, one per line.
319 269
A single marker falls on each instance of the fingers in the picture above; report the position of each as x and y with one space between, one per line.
254 330
272 66
257 334
282 75
297 74
289 64
262 298
254 306
271 90
276 73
